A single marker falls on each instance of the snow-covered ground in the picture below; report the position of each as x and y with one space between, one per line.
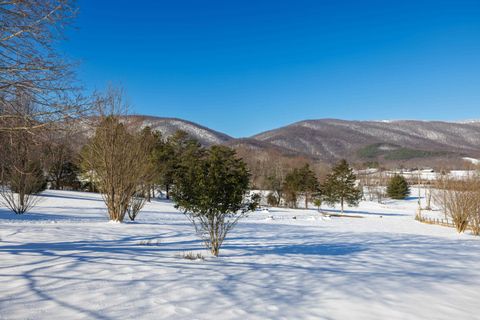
65 261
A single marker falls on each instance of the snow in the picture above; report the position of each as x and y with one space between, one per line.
65 261
472 160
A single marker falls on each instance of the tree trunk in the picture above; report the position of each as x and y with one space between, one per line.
341 202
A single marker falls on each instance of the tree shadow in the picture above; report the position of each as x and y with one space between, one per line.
275 264
70 195
349 211
316 249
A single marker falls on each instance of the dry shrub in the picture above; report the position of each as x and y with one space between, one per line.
193 256
21 163
136 204
460 200
119 157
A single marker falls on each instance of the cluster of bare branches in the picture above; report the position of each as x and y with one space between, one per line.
373 185
21 163
460 200
30 63
119 157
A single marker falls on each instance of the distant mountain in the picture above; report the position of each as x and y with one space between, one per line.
330 139
168 126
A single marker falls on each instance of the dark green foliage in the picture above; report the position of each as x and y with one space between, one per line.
340 186
395 152
153 139
406 154
168 154
291 188
210 187
300 181
318 202
64 176
398 188
375 150
309 183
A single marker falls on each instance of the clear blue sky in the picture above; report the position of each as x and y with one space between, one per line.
245 66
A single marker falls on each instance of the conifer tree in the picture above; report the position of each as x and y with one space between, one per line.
308 183
398 188
211 187
168 153
291 187
340 186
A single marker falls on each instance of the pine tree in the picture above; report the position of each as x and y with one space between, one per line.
398 188
211 188
168 154
308 183
291 187
340 186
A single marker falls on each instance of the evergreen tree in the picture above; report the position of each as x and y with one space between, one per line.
398 188
168 154
318 203
64 175
340 186
152 138
308 183
291 187
211 189
300 181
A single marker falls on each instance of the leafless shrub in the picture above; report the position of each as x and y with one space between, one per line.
475 222
150 242
193 256
21 170
460 199
118 155
136 204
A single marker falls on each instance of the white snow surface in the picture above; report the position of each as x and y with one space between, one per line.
472 160
65 261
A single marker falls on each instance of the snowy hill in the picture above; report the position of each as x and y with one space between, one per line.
64 260
168 126
330 139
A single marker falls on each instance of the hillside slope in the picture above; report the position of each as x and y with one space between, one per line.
330 139
168 126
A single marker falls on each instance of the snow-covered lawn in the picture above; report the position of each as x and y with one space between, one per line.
65 261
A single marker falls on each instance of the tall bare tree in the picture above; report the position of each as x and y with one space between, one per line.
21 163
30 62
118 155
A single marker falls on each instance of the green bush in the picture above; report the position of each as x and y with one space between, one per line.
398 188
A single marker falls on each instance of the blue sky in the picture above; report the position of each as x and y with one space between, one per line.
245 66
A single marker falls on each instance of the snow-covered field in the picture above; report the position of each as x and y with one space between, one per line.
65 261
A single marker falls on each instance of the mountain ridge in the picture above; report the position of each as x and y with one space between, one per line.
331 139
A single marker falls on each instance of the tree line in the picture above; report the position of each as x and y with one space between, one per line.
339 187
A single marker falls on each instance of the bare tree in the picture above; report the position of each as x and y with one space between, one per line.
21 164
118 156
61 159
460 201
137 202
30 62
